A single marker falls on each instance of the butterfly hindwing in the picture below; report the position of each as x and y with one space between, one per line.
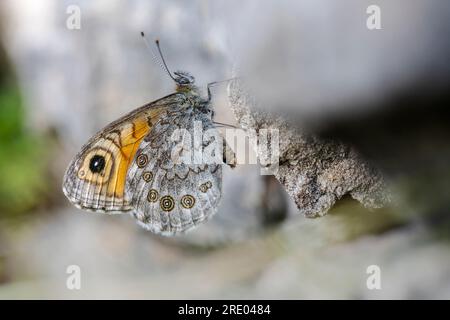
171 195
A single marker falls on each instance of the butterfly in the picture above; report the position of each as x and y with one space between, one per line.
129 165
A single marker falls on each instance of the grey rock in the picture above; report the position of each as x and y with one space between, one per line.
315 172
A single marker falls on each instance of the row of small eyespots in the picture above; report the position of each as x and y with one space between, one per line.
205 186
142 160
147 176
167 203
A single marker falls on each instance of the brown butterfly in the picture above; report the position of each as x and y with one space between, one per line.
128 167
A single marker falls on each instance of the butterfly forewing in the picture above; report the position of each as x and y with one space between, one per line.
95 179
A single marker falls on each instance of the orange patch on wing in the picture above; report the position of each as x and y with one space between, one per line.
131 138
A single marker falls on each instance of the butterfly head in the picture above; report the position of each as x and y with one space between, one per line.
184 81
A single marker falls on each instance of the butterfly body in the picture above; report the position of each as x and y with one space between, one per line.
131 165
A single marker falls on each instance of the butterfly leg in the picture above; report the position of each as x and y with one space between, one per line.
209 85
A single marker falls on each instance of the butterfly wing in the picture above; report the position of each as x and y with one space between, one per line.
95 179
169 193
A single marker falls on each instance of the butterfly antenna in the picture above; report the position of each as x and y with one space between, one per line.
163 65
162 58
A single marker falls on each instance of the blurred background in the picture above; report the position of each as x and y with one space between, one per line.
384 91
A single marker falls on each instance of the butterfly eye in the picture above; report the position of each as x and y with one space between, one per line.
97 163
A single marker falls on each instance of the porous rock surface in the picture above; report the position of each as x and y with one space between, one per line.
315 172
